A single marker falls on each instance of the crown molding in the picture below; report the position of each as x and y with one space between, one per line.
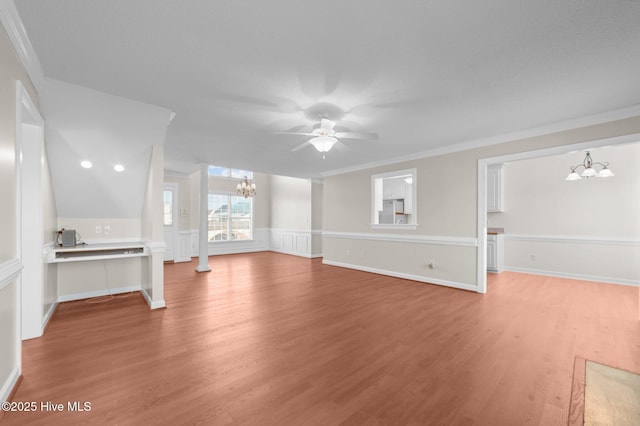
586 121
17 34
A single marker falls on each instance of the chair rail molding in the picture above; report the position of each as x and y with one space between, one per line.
9 272
415 239
579 239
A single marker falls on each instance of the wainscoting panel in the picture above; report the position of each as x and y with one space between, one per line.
298 242
9 326
305 243
183 247
302 244
287 242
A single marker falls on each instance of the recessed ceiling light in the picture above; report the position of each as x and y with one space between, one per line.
118 168
86 164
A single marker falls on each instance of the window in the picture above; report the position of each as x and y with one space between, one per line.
229 218
167 208
393 199
227 172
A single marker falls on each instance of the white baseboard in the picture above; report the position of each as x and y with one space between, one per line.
48 314
609 280
412 277
236 250
9 384
295 253
152 304
98 293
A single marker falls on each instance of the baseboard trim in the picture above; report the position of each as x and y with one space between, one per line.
97 293
428 280
236 251
296 253
157 304
609 280
48 315
10 385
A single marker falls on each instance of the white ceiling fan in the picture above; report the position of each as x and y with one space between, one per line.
324 137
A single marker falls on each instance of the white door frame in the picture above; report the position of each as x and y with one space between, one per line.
29 239
481 262
174 188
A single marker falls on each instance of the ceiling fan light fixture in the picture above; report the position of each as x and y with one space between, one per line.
323 143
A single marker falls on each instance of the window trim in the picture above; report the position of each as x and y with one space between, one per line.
230 170
414 215
252 222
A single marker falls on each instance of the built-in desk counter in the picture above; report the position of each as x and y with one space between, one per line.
100 251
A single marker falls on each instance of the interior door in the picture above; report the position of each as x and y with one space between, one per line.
169 201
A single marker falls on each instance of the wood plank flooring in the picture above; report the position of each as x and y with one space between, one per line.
271 339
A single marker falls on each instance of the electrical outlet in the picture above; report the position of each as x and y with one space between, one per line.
98 229
106 229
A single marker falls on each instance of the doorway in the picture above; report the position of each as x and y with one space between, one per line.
169 210
483 164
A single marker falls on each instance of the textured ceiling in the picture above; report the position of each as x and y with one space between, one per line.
420 74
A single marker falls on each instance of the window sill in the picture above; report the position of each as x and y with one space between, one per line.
407 226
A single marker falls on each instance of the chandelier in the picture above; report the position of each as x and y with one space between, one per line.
245 188
589 170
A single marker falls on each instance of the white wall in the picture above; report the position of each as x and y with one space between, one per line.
586 229
447 188
107 130
82 280
120 229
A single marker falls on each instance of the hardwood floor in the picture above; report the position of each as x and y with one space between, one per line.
272 339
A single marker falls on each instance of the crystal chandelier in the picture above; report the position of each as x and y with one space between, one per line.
589 170
245 188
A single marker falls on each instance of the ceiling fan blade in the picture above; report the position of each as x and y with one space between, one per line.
294 133
326 124
356 135
299 147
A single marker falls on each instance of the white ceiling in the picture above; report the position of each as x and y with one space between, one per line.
420 74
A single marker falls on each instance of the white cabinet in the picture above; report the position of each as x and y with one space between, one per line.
495 252
393 189
495 188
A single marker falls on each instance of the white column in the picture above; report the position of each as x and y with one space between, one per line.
203 229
